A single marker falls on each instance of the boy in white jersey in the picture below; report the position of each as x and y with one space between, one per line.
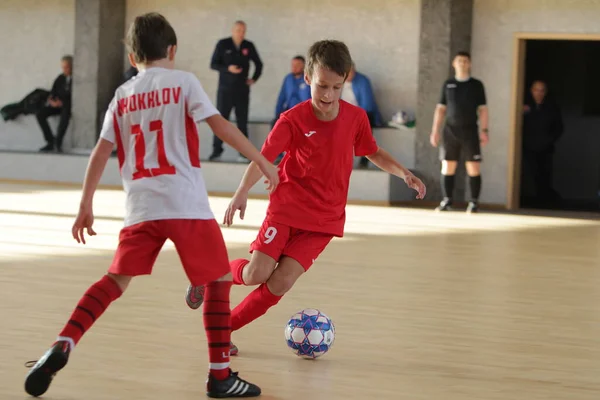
152 120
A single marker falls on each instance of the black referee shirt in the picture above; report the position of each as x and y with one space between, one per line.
462 99
226 54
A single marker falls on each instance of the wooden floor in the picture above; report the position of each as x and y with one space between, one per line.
426 306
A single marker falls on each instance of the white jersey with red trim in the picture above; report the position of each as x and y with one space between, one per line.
152 119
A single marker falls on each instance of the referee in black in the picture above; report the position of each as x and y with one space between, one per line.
463 104
232 58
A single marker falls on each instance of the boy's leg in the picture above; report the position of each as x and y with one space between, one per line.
266 250
138 248
202 251
299 254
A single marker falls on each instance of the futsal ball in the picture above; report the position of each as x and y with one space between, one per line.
309 333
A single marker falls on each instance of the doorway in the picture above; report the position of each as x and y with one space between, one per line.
568 65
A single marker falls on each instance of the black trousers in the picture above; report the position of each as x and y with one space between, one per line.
536 179
42 118
237 98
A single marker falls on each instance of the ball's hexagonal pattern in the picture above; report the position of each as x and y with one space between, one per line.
309 333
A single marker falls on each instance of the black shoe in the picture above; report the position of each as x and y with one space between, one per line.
473 207
215 157
445 205
233 386
42 371
47 148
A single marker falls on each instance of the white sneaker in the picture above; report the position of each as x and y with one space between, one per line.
243 160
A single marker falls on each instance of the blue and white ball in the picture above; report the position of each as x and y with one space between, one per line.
309 333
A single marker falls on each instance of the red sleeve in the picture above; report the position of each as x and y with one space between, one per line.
278 140
364 142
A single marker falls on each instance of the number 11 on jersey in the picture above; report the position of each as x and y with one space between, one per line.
164 167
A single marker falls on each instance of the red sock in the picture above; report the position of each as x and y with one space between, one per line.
91 306
217 323
237 268
253 306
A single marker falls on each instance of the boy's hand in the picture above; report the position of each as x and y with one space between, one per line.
271 172
239 202
415 183
84 220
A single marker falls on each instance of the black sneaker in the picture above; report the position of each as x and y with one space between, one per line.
194 296
42 371
473 207
233 386
445 205
215 157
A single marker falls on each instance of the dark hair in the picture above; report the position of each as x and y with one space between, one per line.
239 22
329 54
463 54
149 37
299 57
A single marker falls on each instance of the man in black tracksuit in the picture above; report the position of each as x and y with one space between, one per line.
232 58
542 127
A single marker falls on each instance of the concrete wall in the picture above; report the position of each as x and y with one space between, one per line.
382 36
494 23
35 35
220 178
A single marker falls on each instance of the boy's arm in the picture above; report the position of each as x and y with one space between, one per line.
94 171
200 108
279 140
236 139
389 164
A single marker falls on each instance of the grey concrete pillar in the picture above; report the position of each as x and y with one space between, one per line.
97 67
445 29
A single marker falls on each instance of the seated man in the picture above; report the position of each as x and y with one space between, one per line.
59 103
358 91
293 90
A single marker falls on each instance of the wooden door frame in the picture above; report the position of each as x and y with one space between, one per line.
516 107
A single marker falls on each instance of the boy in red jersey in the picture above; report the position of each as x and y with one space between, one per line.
152 119
321 137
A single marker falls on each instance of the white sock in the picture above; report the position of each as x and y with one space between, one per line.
68 340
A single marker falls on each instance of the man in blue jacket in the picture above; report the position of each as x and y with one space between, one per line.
294 89
358 91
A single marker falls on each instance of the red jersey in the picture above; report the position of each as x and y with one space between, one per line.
315 172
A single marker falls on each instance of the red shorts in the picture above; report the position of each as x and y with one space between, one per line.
199 244
277 240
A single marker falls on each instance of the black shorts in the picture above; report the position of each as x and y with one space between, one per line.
457 141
